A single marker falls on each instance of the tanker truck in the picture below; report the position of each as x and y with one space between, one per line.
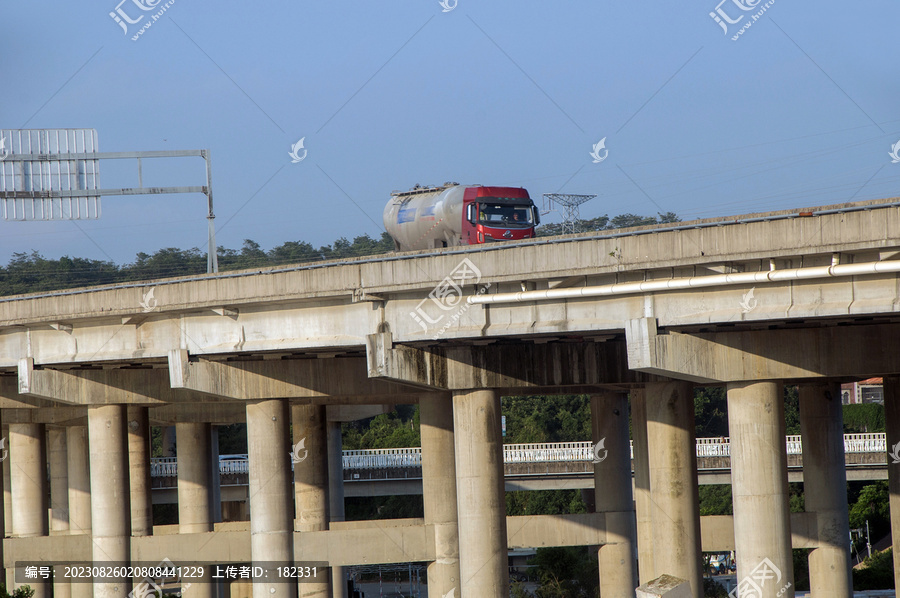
454 214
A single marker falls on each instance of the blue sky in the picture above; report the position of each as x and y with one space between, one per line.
801 110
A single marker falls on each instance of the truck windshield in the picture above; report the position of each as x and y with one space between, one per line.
505 215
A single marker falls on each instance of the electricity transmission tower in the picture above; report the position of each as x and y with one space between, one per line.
569 203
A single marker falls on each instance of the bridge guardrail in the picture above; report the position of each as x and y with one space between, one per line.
551 452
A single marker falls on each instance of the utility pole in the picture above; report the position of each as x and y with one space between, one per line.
868 539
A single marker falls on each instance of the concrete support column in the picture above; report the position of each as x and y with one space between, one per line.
642 486
79 481
892 436
28 480
59 479
215 478
194 490
310 482
110 495
825 489
759 484
139 471
336 497
675 501
612 494
79 493
271 500
439 491
193 478
59 493
480 495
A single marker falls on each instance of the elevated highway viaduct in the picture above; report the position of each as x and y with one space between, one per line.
636 319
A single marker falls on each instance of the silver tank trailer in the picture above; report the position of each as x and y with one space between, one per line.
427 218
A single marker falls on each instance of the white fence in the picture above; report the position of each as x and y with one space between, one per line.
551 452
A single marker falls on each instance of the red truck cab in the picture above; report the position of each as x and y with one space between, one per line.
497 214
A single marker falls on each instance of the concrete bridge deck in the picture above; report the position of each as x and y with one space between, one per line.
635 318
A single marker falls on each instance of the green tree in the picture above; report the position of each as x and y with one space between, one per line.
877 572
604 222
233 439
566 572
716 500
872 505
557 418
20 592
294 252
165 263
631 220
383 507
544 502
801 568
792 410
397 429
710 412
863 418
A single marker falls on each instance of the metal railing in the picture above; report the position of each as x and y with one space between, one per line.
548 452
383 458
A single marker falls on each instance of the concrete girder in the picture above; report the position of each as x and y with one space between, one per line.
758 355
59 548
229 543
517 366
347 543
103 387
323 379
717 532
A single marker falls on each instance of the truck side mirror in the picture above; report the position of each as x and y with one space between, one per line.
470 213
537 215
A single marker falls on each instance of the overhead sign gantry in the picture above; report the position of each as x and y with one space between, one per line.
54 174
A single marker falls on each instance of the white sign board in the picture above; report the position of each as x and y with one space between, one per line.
36 183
